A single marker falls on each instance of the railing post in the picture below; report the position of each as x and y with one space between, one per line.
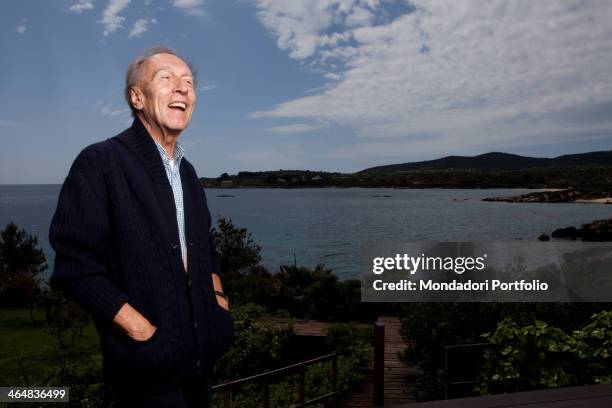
446 372
334 374
227 398
302 389
378 397
334 379
266 393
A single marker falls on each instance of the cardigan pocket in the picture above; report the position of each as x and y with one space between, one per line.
221 307
147 351
223 334
140 363
148 359
150 341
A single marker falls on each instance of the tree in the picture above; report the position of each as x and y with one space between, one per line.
65 319
21 260
235 246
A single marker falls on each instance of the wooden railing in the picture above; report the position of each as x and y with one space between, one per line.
378 391
266 378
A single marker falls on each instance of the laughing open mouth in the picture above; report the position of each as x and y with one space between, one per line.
178 105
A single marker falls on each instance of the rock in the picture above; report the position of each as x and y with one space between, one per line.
569 232
598 230
544 237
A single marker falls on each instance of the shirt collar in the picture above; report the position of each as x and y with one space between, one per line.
179 152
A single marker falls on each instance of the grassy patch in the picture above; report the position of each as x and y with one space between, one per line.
38 350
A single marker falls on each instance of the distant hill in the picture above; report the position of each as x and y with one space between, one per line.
499 161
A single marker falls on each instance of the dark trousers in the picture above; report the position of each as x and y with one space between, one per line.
193 393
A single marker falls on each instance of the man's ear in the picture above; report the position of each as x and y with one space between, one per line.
136 98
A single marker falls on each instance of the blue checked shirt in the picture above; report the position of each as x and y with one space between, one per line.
172 167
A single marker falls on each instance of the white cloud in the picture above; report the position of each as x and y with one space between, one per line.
193 7
21 28
295 128
457 73
110 16
81 6
111 112
141 26
360 16
299 25
332 76
206 87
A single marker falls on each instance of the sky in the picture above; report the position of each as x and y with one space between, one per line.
334 85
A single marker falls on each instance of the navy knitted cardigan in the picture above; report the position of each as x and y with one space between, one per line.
116 240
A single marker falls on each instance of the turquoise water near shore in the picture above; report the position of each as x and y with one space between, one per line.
328 225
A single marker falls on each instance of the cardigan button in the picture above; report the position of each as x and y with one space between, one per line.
195 325
191 244
174 249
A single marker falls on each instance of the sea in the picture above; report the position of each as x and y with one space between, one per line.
308 226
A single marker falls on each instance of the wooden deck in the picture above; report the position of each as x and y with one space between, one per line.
588 396
399 378
303 327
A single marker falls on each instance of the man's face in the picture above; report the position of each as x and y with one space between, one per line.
166 94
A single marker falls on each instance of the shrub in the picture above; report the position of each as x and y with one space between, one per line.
538 355
87 386
353 344
258 346
429 327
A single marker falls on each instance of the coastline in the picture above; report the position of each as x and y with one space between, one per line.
568 195
603 200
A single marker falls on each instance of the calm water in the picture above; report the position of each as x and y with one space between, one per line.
327 225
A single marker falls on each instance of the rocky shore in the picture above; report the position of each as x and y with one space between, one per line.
559 196
598 231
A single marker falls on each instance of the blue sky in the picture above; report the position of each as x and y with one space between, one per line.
336 85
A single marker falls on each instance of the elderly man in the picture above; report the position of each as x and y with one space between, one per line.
133 247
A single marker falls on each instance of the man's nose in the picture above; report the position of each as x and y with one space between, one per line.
180 86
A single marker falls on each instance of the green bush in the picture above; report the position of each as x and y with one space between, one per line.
429 327
597 337
87 386
538 356
353 345
258 346
529 357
